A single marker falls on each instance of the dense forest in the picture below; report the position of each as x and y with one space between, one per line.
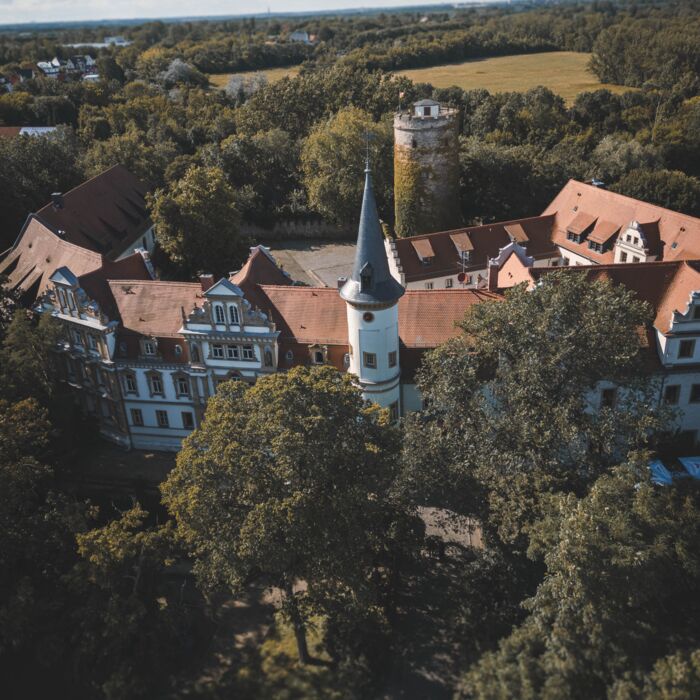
154 111
587 584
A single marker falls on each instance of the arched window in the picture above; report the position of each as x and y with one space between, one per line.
219 314
195 353
268 357
233 314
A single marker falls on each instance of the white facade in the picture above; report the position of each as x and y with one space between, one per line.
373 338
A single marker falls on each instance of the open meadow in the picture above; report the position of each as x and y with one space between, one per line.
564 72
220 80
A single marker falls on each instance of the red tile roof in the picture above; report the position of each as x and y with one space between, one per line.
671 235
666 286
153 307
485 243
106 214
38 253
308 315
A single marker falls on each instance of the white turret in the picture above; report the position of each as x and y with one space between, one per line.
372 297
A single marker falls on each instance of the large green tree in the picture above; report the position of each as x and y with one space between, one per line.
287 480
514 405
333 161
198 223
620 594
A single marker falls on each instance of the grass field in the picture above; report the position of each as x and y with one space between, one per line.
273 74
563 72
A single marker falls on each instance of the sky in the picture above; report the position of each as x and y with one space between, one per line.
14 11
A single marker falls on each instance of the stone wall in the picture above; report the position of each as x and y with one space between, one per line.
309 229
426 173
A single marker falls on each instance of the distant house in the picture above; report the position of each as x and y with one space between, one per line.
8 132
300 37
116 41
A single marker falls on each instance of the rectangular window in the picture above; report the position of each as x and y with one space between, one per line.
233 352
248 352
369 359
428 285
156 384
318 357
672 393
149 348
696 312
77 337
187 420
635 259
217 350
623 257
392 358
686 349
448 283
130 384
92 341
565 261
608 397
136 416
183 386
695 393
162 418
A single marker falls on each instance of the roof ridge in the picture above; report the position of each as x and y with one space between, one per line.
475 226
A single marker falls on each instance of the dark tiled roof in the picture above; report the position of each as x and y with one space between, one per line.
485 242
106 214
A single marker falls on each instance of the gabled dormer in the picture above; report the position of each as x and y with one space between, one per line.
633 245
464 246
580 226
225 303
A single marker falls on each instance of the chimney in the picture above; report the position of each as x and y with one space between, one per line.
206 281
492 276
57 200
341 281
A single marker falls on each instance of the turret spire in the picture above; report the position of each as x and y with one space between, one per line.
371 282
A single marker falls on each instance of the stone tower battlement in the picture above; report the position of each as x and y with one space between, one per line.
426 169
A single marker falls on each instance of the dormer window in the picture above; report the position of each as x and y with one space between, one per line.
318 357
366 278
219 314
233 315
696 313
149 348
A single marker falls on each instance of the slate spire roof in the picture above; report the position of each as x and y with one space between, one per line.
371 282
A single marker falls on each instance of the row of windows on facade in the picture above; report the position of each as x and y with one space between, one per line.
601 247
234 352
672 395
162 419
155 384
465 256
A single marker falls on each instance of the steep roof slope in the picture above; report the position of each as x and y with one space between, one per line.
106 214
672 235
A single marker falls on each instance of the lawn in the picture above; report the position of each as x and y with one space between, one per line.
564 72
273 75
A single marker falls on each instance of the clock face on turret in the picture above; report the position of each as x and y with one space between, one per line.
368 316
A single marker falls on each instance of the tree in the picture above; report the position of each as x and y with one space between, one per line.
513 404
198 223
333 161
181 73
286 480
620 593
667 188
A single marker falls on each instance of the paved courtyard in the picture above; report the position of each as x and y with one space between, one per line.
315 262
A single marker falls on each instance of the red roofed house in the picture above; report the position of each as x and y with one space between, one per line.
584 225
107 214
672 290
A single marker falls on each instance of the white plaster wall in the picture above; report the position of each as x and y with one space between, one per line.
574 258
380 336
411 399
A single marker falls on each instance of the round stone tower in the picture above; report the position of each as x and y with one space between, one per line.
426 169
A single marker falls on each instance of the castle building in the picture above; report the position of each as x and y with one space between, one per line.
426 169
583 225
143 355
